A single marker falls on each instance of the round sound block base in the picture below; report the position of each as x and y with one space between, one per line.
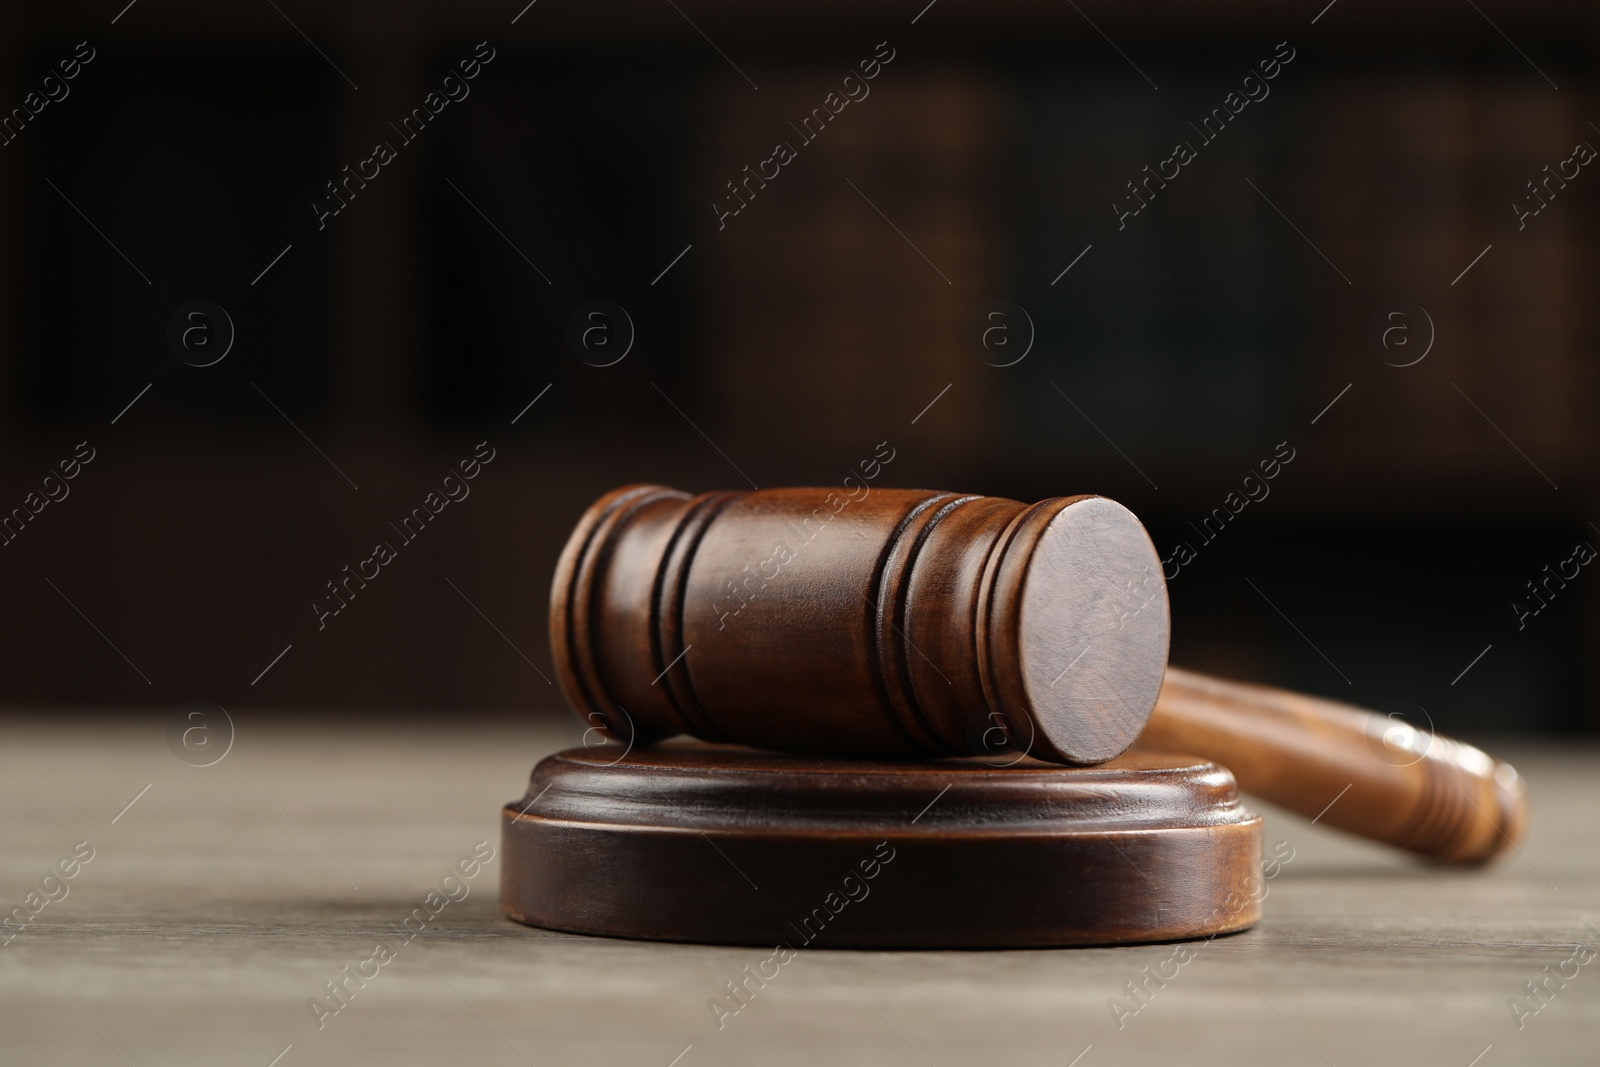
720 844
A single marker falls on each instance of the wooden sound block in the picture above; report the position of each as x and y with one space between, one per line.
716 843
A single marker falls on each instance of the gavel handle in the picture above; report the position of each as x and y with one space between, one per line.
1357 770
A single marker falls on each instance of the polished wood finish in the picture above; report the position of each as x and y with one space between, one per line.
724 844
1360 771
913 623
862 621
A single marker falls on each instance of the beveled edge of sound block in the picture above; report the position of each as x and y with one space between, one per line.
727 845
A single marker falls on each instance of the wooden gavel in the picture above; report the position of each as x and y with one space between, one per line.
910 623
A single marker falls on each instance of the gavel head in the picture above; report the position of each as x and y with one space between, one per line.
883 622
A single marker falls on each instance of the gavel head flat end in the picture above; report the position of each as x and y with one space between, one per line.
1073 646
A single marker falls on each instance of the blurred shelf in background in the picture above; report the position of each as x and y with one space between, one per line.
1174 348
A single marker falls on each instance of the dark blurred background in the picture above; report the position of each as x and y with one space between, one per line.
1176 353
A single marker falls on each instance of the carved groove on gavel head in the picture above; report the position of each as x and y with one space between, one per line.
895 622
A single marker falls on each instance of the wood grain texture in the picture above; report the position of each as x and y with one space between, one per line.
730 845
206 920
1360 771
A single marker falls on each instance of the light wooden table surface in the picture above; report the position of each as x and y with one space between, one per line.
220 902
